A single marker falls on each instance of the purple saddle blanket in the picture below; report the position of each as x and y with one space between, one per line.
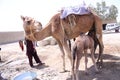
79 10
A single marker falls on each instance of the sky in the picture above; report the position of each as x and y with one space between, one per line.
41 10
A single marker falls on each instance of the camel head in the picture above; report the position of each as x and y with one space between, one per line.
30 27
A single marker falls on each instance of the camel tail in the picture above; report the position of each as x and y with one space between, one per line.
93 28
92 31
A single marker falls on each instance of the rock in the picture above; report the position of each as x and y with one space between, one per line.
44 43
53 41
47 41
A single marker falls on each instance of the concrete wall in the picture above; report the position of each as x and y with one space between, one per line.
9 37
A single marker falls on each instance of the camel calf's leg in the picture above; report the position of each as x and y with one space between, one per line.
93 59
73 65
86 61
79 56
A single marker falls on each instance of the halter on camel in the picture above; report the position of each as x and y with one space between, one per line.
38 27
31 34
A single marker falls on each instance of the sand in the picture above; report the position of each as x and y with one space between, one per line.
14 62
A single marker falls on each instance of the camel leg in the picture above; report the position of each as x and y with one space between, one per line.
101 47
67 49
93 59
73 66
79 56
63 54
86 61
69 42
95 45
98 25
74 55
96 42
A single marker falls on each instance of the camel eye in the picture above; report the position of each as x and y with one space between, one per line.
28 22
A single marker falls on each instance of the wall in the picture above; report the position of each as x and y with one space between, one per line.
9 37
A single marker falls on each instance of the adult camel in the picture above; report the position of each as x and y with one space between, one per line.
61 30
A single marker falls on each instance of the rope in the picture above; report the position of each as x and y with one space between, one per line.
31 34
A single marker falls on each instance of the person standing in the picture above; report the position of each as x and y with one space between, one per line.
32 53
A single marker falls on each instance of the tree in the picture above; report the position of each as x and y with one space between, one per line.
106 12
113 12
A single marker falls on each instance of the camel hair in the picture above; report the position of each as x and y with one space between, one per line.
61 30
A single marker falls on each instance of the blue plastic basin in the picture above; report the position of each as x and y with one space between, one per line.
26 76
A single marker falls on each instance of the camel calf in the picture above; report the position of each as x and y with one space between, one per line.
82 44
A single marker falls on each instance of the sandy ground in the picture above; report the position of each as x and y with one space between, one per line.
15 62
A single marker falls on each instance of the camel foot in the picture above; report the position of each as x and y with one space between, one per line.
95 56
97 72
86 73
99 64
64 71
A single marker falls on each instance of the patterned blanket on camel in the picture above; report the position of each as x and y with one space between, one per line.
79 10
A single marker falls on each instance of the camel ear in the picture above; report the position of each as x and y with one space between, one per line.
23 18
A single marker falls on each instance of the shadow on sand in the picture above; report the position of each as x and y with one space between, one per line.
110 70
41 66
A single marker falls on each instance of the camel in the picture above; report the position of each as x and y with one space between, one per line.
81 45
61 30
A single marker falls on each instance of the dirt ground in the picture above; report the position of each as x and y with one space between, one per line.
14 62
